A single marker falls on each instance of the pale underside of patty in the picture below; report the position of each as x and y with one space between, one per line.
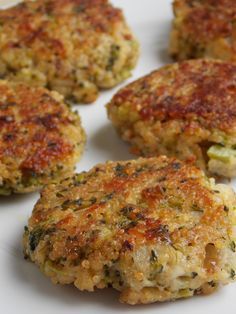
154 229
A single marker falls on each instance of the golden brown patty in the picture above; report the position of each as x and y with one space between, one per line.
187 110
41 139
204 29
75 47
155 229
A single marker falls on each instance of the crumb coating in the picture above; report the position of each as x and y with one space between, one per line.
41 139
204 29
75 47
179 110
155 229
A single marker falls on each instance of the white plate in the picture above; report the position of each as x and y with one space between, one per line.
23 289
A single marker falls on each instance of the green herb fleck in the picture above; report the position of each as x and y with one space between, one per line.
127 210
212 284
153 257
58 194
196 208
226 209
34 238
107 198
120 171
79 8
233 246
93 200
106 270
232 273
156 270
78 202
114 55
176 165
194 274
79 178
65 204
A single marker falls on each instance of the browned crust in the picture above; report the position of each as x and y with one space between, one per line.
75 46
79 210
203 29
100 15
95 222
33 127
202 93
206 20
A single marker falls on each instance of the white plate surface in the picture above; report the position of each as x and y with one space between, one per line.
23 289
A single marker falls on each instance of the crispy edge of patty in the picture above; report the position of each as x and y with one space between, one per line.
181 110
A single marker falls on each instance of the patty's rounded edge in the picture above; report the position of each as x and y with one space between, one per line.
154 229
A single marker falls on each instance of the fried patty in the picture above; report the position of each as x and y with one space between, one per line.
154 229
41 139
75 47
204 29
186 110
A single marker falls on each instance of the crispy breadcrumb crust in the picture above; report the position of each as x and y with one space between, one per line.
41 139
75 47
179 110
204 29
155 229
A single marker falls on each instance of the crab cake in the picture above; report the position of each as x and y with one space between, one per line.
204 29
154 229
75 47
41 139
186 110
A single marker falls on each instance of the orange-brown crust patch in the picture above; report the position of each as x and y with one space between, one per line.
98 13
149 225
84 207
202 93
31 20
71 46
30 124
33 127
